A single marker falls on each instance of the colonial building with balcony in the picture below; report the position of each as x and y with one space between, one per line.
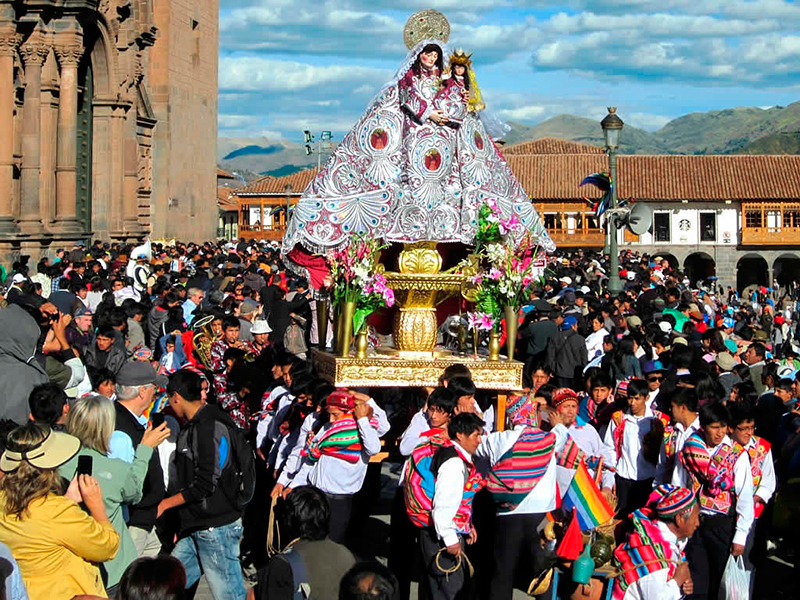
733 217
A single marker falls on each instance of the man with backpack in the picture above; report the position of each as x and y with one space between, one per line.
440 484
215 472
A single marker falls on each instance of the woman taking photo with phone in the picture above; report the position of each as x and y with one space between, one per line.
91 419
53 541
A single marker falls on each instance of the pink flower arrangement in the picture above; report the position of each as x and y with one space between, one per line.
356 278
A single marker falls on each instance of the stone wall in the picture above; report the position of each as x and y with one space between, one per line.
183 77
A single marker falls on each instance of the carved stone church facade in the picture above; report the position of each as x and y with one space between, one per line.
108 113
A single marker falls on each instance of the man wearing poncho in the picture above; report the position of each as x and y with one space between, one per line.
336 459
651 561
522 480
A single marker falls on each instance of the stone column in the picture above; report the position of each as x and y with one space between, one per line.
69 56
9 40
33 52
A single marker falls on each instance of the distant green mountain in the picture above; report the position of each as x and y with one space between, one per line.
777 143
252 150
735 130
286 170
586 131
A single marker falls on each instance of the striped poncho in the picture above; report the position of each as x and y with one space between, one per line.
521 468
645 551
341 440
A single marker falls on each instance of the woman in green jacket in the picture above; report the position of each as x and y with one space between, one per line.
91 419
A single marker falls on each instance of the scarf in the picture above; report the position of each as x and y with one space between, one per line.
340 441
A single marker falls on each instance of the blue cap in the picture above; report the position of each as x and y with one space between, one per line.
652 366
568 322
728 322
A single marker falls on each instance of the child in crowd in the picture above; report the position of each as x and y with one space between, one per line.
635 436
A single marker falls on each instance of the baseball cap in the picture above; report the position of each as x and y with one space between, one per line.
728 322
568 322
83 312
140 373
725 361
665 326
731 346
634 321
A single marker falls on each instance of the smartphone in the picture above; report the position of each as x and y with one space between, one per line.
84 465
156 419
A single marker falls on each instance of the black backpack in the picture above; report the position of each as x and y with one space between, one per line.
241 472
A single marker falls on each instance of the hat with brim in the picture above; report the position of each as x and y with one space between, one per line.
52 452
543 306
260 326
725 361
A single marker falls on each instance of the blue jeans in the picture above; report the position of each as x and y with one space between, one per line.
215 553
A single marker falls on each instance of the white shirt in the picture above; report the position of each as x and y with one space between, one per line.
447 495
294 459
540 499
594 342
680 476
412 436
335 476
588 440
766 486
632 464
743 486
657 585
263 429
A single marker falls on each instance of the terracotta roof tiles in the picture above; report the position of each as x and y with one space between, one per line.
551 145
226 201
271 186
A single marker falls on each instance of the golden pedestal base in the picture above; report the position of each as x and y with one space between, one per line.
418 288
387 370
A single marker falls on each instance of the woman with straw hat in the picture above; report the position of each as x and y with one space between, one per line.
53 540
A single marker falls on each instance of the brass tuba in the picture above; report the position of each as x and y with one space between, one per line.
203 338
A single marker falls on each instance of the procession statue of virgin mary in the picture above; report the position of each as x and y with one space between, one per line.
416 167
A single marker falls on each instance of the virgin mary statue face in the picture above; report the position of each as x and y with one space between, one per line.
428 59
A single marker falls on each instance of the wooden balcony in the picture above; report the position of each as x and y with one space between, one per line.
571 224
262 218
770 223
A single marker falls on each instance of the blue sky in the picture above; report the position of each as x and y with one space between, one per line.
290 65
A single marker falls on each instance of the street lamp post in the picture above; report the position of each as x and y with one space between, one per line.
612 126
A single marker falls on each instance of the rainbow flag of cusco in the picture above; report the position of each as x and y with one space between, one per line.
584 496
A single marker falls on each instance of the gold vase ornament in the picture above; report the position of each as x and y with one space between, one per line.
337 329
346 329
512 326
362 343
494 345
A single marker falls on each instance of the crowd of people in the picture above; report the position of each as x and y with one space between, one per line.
163 419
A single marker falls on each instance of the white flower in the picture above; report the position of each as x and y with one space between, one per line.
495 253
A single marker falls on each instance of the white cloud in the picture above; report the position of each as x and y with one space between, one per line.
256 74
523 113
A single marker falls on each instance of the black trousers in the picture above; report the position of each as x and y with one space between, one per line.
403 544
435 585
707 554
341 510
632 495
516 551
